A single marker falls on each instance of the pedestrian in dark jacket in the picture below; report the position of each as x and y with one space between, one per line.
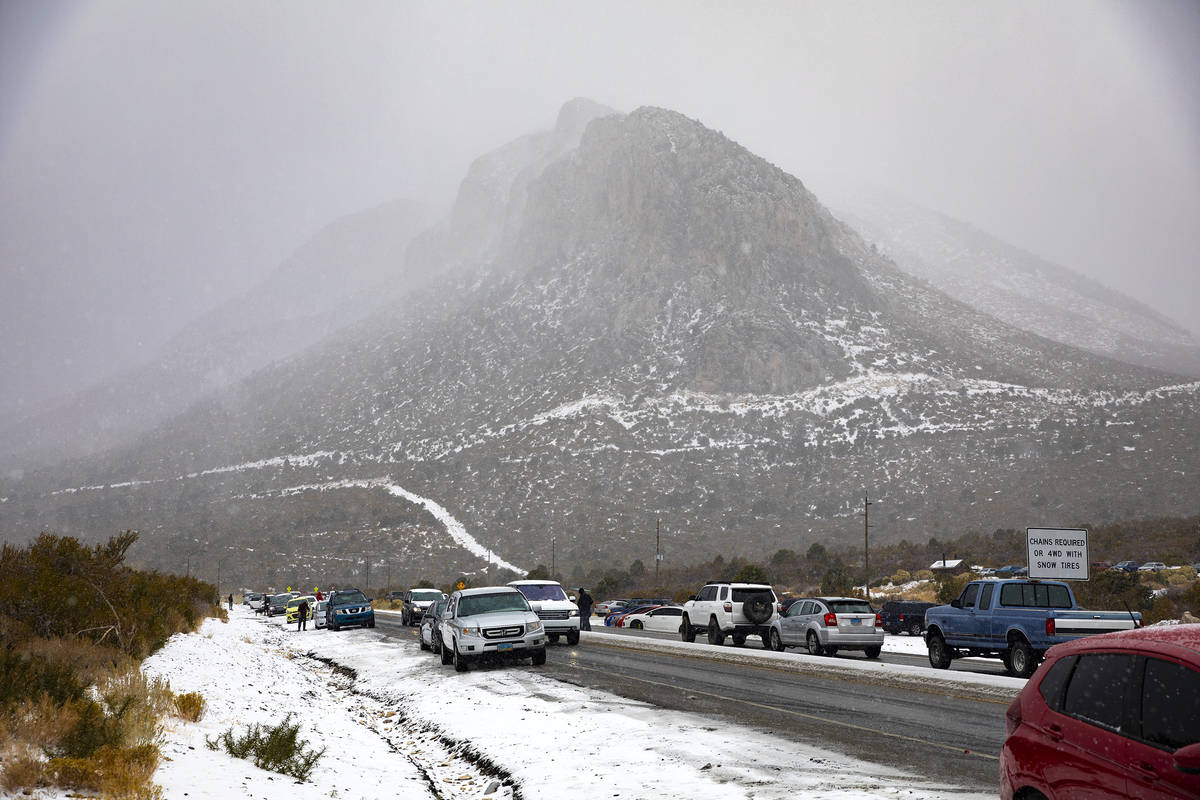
231 602
302 616
585 610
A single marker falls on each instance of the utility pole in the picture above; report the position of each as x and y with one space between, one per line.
553 556
388 585
657 549
866 552
367 577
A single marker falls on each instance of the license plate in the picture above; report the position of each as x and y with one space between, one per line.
856 621
504 646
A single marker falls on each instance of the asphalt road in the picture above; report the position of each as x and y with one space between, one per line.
980 666
935 733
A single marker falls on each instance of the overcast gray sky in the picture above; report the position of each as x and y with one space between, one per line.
159 158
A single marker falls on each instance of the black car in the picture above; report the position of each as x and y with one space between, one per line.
904 615
415 603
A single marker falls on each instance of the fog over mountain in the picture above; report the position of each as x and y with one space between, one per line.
158 161
625 318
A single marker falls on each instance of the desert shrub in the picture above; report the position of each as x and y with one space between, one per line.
923 575
1113 589
1180 578
1162 608
277 748
952 587
113 772
74 620
190 706
58 587
901 576
20 772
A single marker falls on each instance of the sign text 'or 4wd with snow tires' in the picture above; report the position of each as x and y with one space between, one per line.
1059 554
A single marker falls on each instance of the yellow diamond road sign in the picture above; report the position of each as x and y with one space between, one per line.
460 585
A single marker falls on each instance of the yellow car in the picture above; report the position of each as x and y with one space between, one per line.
293 607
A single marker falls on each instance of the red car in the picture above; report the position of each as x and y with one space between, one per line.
1116 715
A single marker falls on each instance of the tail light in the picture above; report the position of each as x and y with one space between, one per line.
902 618
1012 717
831 620
779 607
728 607
878 620
1049 626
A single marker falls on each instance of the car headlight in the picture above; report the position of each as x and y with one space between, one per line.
534 627
574 612
470 630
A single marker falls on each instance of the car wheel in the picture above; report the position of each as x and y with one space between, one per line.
914 629
435 644
460 661
939 653
776 641
539 657
553 637
371 624
814 644
715 634
1021 661
636 625
572 637
873 652
445 653
423 645
686 631
404 618
333 626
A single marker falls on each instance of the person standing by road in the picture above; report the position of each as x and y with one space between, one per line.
231 602
585 610
302 615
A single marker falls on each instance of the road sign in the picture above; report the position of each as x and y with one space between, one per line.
1058 553
460 585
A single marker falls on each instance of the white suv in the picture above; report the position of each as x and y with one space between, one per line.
736 610
558 614
494 621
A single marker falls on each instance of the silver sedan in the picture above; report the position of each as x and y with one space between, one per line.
825 625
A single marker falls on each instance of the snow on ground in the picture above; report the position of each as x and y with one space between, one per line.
398 724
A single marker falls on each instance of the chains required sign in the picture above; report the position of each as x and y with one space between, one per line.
1058 553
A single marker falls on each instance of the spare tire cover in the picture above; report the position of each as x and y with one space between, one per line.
758 607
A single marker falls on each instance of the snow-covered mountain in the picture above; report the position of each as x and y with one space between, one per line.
347 271
1011 284
654 323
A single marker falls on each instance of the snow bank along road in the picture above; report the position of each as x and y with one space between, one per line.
949 726
397 724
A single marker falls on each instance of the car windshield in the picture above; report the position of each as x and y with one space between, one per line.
547 591
421 595
351 597
850 607
485 603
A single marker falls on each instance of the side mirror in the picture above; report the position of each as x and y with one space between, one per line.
571 597
370 599
694 597
956 603
1187 759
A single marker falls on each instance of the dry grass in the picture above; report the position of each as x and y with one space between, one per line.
21 771
118 773
190 706
138 703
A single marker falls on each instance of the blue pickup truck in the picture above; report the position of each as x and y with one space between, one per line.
1016 620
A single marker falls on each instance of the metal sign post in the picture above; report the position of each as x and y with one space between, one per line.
1059 554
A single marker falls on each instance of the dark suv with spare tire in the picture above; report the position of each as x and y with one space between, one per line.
736 610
